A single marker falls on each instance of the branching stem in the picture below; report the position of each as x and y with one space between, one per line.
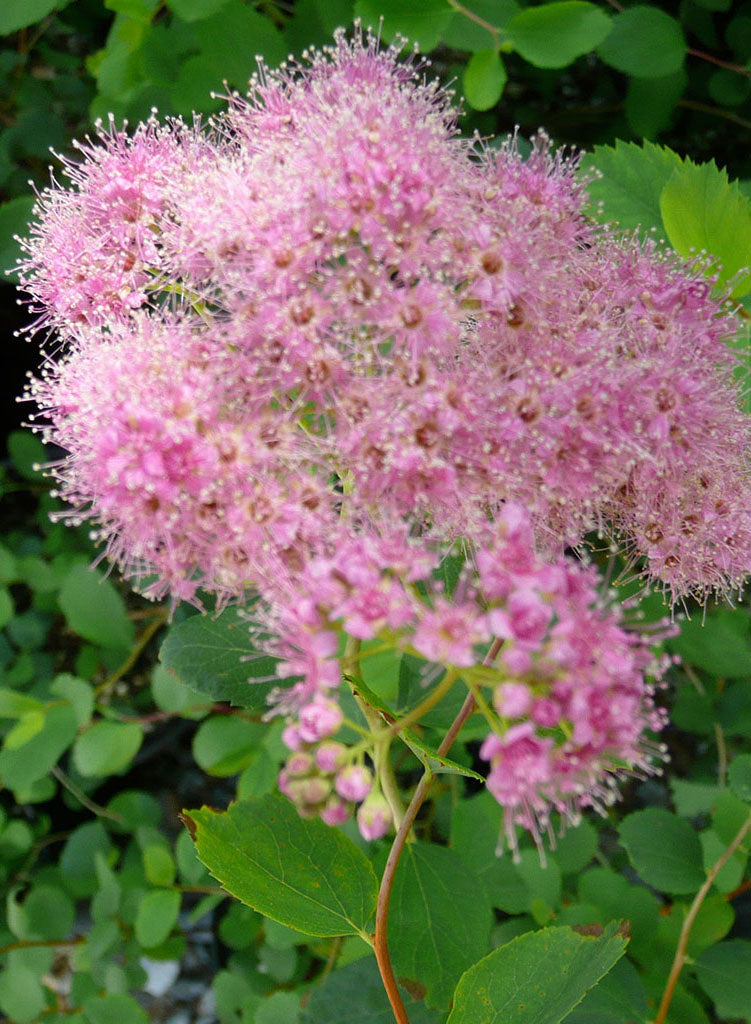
380 944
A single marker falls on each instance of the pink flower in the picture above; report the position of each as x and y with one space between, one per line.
374 816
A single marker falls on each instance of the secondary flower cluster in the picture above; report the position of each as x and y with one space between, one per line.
566 690
293 342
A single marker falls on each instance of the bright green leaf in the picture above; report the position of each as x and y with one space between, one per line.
554 35
78 692
630 181
16 14
159 865
644 42
509 987
432 937
37 756
703 211
94 609
484 79
22 997
279 1008
664 849
25 729
215 656
15 705
421 21
157 916
107 748
300 873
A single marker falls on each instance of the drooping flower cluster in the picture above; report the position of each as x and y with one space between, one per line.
295 342
567 691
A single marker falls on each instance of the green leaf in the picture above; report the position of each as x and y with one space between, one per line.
107 748
14 220
650 102
739 776
158 865
25 451
300 873
234 36
355 993
141 10
631 180
78 862
618 999
693 798
576 848
25 729
484 79
463 33
664 849
724 972
78 692
421 21
508 986
718 643
171 694
713 921
432 937
554 35
644 42
615 898
36 757
215 656
114 1008
703 211
224 745
94 609
194 10
45 913
279 1008
157 916
22 998
16 14
15 705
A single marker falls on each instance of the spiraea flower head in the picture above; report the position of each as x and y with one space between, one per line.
303 351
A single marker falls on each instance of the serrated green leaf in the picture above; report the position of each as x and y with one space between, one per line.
421 21
664 849
508 986
554 35
107 748
484 79
300 873
216 657
631 180
432 938
355 993
644 42
618 999
703 211
724 972
94 609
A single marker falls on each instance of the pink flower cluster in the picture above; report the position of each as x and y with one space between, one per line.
437 326
293 344
567 691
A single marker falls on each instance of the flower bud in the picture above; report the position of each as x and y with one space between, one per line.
319 719
374 816
299 765
354 783
336 811
330 756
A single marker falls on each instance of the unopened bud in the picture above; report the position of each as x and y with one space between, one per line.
374 816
